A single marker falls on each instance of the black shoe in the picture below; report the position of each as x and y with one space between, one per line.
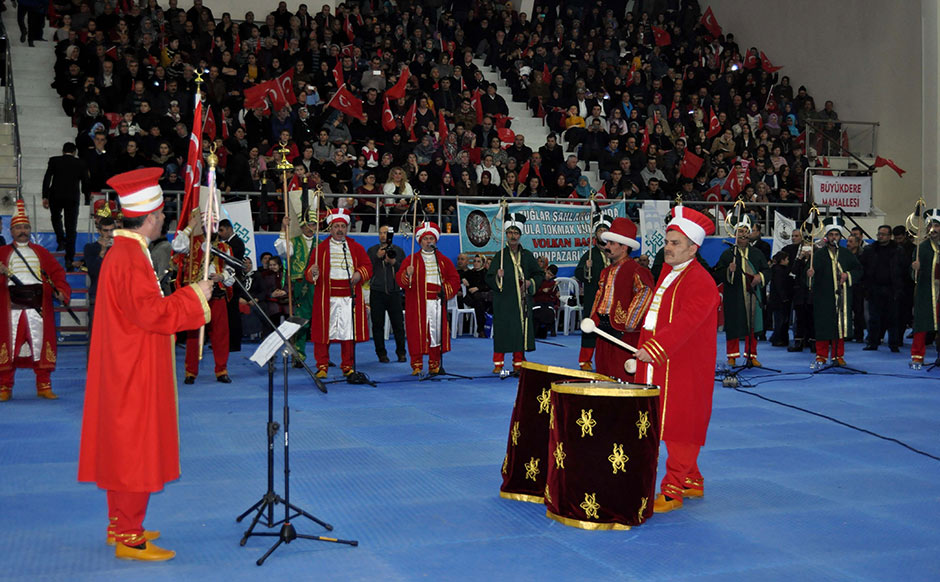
384 359
23 37
189 380
223 379
298 364
895 349
30 43
332 364
797 347
869 348
402 358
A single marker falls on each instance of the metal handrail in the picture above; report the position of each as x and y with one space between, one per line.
177 196
10 115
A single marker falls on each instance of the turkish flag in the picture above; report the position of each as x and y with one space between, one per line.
193 171
737 180
338 73
398 90
209 127
661 36
477 106
602 193
112 52
388 119
238 43
800 141
546 74
750 60
690 165
646 139
506 135
442 126
630 74
286 83
540 112
710 23
348 28
524 172
824 163
714 126
254 96
500 120
881 162
409 120
225 132
347 103
767 65
272 90
713 194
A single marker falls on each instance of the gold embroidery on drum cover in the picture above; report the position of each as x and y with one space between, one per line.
544 400
505 464
643 423
620 315
639 514
590 505
515 433
560 456
548 496
532 468
586 423
618 460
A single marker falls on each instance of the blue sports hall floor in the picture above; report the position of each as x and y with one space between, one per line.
826 477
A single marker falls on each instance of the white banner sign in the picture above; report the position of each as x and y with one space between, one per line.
239 213
852 194
653 226
783 229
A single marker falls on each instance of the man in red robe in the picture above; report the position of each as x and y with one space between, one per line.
678 345
130 437
337 270
624 292
191 261
29 279
429 280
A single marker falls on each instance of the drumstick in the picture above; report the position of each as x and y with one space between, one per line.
588 326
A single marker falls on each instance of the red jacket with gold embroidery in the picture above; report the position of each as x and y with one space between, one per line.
624 291
324 288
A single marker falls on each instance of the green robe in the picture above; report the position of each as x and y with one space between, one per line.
926 291
832 312
513 328
302 290
743 309
599 260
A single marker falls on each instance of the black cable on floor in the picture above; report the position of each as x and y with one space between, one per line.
835 420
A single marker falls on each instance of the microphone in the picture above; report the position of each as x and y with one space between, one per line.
227 259
433 247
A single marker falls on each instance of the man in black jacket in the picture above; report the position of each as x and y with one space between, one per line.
227 234
65 180
385 294
883 277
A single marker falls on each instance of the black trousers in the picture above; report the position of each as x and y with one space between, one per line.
34 19
380 304
65 237
803 329
883 316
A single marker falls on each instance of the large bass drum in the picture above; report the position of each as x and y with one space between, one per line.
527 455
603 450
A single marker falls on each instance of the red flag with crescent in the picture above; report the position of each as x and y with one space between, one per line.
661 36
347 103
286 83
398 90
388 118
193 172
766 65
714 126
710 23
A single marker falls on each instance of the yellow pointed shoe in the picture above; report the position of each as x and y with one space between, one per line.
148 553
693 488
755 362
732 362
5 394
47 393
663 505
497 368
148 535
321 374
416 371
586 366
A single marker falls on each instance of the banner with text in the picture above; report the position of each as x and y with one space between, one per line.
239 213
851 193
559 232
653 215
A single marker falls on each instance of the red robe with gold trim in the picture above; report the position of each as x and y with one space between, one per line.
683 345
416 301
130 437
629 295
51 270
320 319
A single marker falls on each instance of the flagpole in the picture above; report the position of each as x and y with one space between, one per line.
590 263
502 244
284 166
414 228
208 221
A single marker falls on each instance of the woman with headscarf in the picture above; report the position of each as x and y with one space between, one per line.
584 189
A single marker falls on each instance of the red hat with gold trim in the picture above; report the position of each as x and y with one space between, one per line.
20 217
338 214
623 231
428 228
139 191
691 223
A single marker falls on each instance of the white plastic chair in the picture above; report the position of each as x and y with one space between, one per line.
568 287
457 315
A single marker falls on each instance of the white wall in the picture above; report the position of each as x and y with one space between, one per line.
867 56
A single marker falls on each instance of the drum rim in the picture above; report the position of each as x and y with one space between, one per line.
581 389
575 373
522 497
588 525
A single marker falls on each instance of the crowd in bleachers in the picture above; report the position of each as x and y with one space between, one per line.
632 91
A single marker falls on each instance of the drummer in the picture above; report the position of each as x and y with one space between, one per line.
678 345
624 292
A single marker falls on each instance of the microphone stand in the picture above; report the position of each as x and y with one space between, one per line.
443 300
356 377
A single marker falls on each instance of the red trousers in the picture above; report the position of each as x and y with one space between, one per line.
43 375
517 358
218 334
918 348
681 463
434 358
126 512
321 352
750 347
823 346
586 355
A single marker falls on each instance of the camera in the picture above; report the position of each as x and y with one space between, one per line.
389 250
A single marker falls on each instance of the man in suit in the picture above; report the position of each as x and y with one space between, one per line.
66 178
227 235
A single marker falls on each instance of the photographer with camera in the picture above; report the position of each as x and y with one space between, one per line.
385 294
